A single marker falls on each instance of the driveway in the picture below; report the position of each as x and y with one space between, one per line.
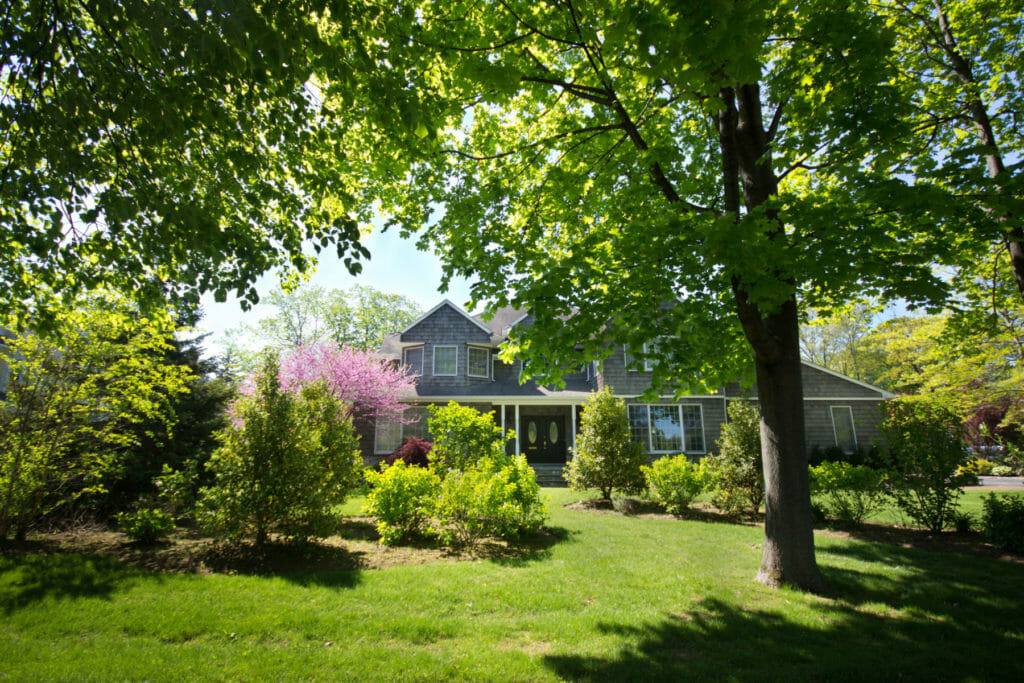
999 482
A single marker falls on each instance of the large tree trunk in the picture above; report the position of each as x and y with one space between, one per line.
775 338
788 530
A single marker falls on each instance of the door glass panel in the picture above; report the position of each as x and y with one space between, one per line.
553 432
531 432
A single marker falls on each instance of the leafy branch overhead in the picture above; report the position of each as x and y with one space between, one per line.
163 148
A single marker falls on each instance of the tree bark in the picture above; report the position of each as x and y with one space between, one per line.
788 556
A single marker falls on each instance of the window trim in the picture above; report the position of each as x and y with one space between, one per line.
433 367
682 428
703 430
377 450
650 428
835 432
405 358
470 348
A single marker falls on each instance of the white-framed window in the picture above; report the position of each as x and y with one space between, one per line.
476 361
668 428
387 436
413 358
638 425
842 427
631 361
693 428
446 360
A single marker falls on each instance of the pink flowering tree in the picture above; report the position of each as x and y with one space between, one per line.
372 386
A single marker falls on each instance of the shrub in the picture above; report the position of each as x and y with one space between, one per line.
512 504
606 457
401 500
977 466
178 489
925 452
1002 471
850 492
413 452
675 482
147 525
284 462
462 436
737 472
1002 521
457 508
499 498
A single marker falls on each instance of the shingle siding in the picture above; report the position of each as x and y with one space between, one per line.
447 327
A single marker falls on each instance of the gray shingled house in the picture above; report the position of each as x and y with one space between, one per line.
454 355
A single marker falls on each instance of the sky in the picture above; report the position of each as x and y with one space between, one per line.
395 266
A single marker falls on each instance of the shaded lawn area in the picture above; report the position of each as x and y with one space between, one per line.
607 598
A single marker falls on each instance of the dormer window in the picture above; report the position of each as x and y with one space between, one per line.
476 362
446 360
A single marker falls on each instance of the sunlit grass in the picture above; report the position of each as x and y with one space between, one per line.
616 598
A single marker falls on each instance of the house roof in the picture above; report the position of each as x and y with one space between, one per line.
503 318
821 368
457 309
576 391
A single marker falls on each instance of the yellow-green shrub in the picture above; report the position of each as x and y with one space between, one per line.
675 481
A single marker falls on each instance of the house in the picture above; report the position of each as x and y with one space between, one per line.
455 356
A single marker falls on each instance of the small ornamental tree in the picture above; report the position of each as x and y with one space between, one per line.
926 451
606 457
285 460
71 402
371 387
737 470
462 437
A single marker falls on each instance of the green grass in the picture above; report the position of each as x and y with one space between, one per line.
615 598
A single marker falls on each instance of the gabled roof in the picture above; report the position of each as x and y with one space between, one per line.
872 387
457 309
503 318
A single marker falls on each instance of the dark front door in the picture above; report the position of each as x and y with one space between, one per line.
543 438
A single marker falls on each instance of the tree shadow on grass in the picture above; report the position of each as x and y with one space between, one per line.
927 620
308 564
529 548
26 579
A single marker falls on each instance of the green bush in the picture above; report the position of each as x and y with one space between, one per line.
402 500
675 482
605 456
499 498
462 436
512 504
925 454
1002 471
737 473
1002 521
147 525
849 492
284 462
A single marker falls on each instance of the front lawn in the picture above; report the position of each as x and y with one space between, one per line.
602 597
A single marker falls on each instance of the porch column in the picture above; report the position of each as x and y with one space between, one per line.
573 431
517 429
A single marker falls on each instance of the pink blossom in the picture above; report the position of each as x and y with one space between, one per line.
372 386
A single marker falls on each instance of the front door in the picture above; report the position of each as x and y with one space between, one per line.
543 438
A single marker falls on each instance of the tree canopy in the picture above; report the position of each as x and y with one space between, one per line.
595 161
163 148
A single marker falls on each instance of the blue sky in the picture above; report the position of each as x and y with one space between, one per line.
395 266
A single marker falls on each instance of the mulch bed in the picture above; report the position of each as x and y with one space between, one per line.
356 547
